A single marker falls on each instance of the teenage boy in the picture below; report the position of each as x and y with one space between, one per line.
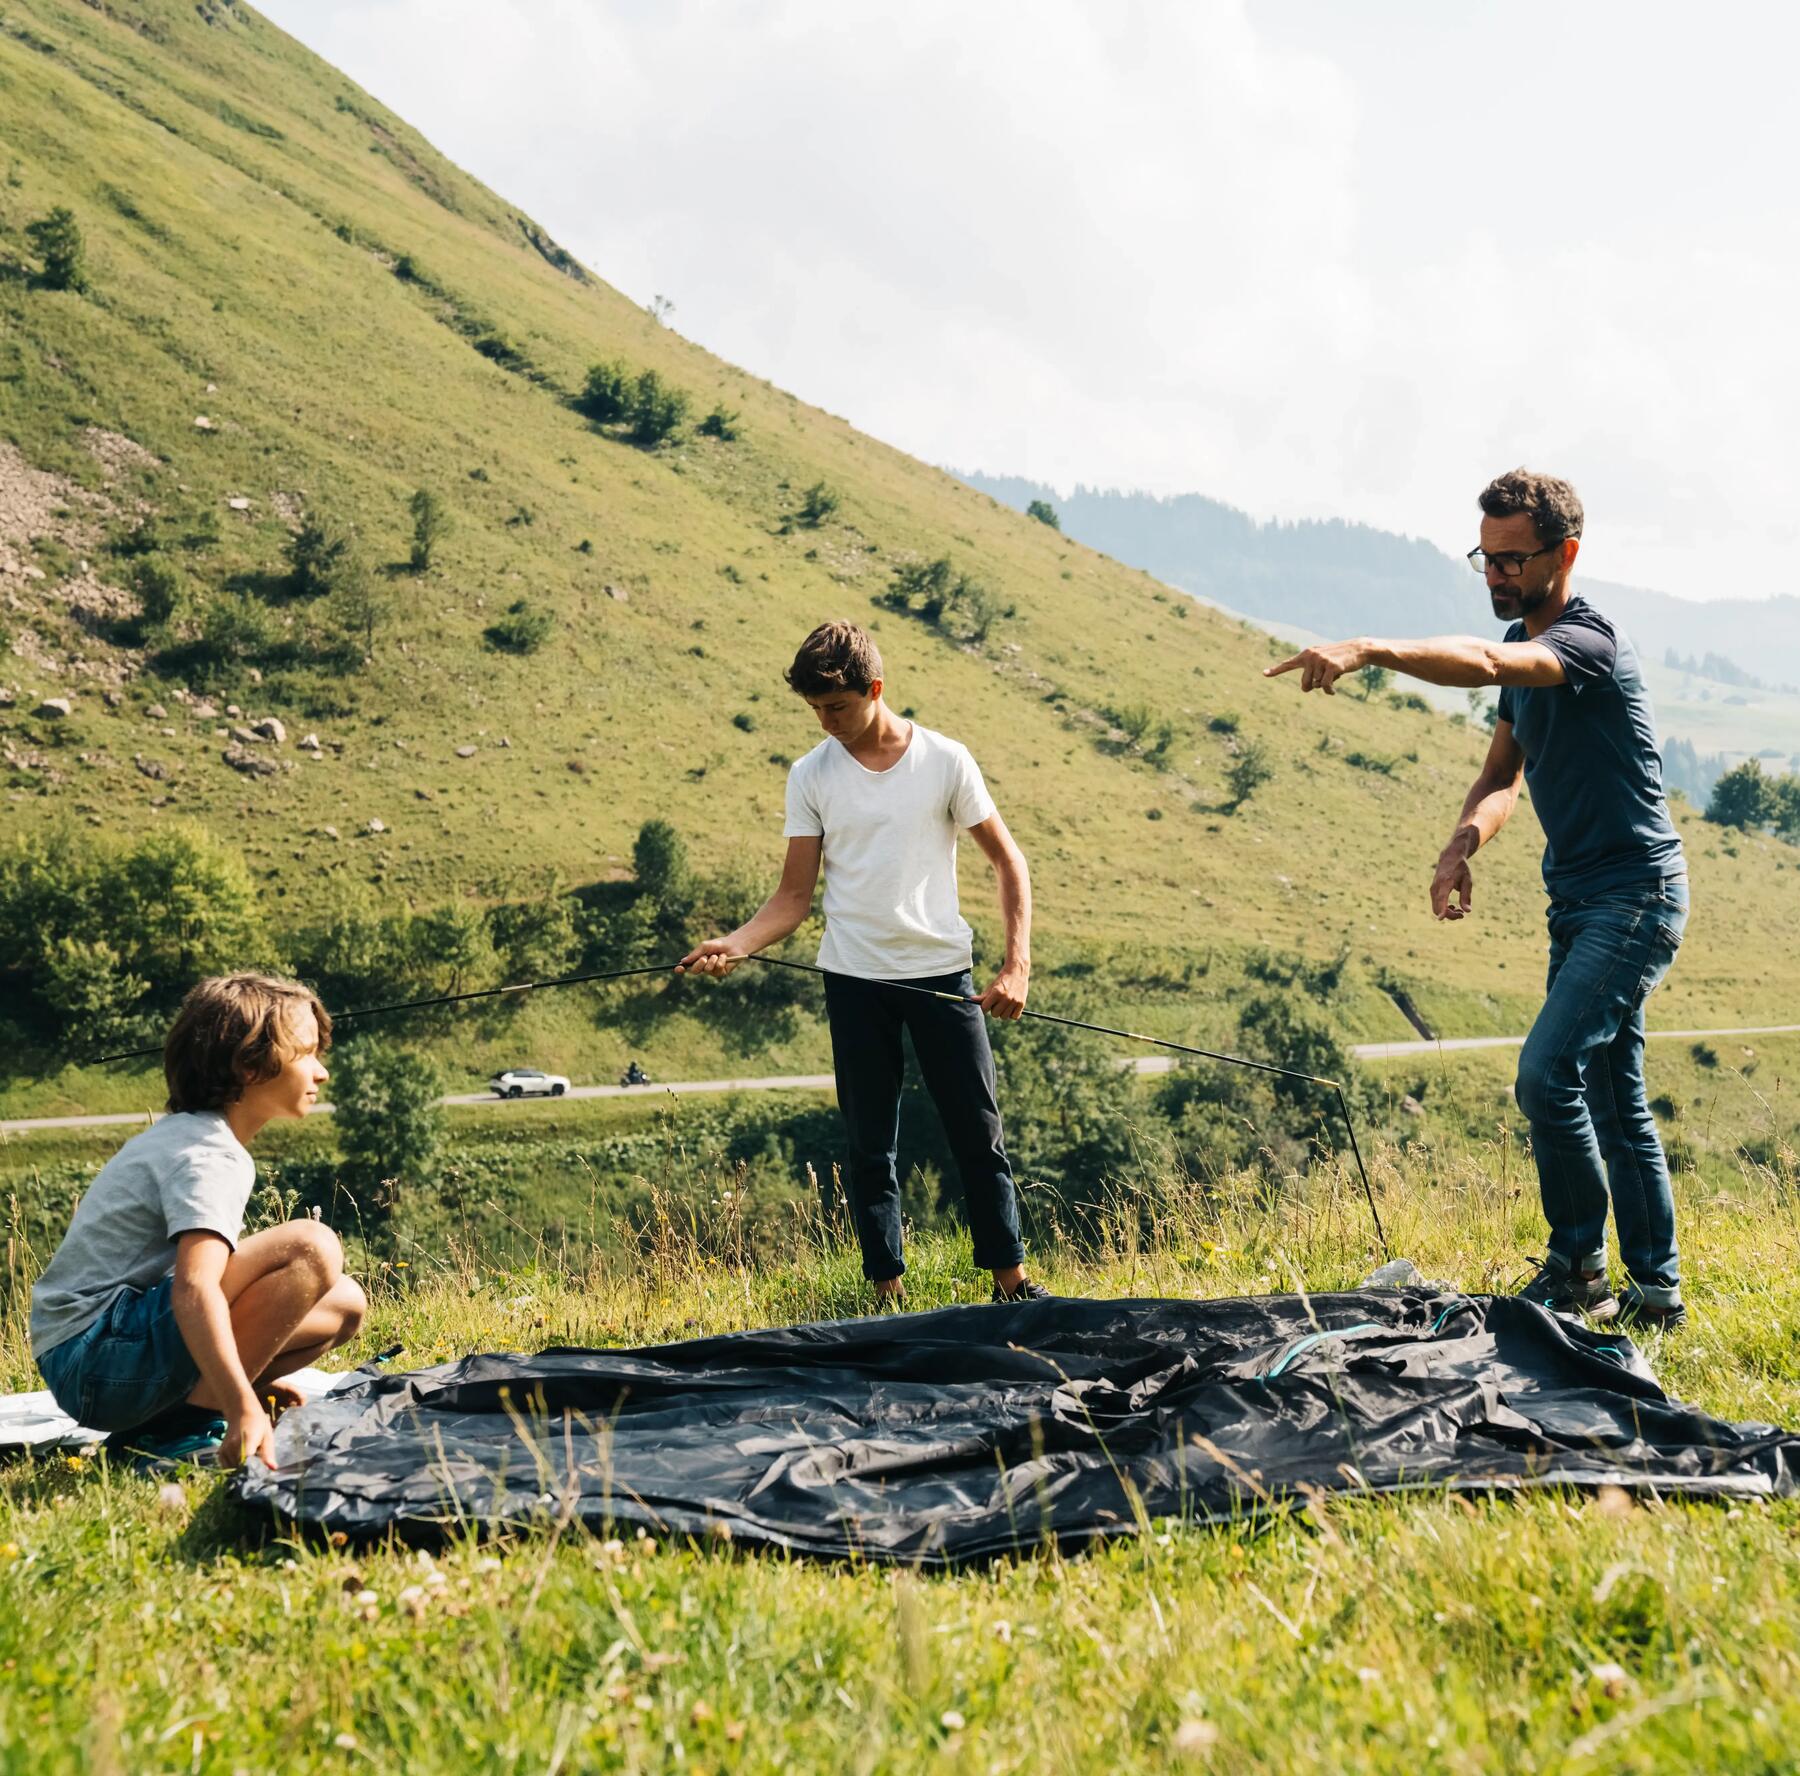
1575 725
878 803
155 1320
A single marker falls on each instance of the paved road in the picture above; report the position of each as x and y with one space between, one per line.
1363 1051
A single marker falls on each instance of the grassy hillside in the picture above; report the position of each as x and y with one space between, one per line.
273 252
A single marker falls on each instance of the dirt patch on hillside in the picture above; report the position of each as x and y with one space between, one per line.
116 453
38 506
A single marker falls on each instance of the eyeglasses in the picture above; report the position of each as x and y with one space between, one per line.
1509 561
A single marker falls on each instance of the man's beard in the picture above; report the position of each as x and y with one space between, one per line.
1509 607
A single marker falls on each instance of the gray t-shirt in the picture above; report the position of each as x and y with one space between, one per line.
185 1173
1592 760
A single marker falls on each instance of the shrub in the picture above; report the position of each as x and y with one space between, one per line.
657 410
319 556
428 518
56 239
235 629
1373 679
744 721
1135 719
721 423
1044 513
523 630
390 1128
817 505
1248 772
161 591
605 398
1368 761
933 591
1224 723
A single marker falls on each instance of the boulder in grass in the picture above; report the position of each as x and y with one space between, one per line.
252 764
465 752
309 743
54 708
271 728
377 824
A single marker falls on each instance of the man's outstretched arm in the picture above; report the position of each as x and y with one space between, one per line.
1491 798
1006 997
1464 660
782 914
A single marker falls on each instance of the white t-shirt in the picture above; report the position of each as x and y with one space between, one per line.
890 853
185 1173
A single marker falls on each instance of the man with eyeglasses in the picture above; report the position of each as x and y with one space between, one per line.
1575 724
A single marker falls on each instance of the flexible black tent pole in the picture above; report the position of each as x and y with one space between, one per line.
1042 1017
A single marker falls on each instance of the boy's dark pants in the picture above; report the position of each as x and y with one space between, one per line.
951 1041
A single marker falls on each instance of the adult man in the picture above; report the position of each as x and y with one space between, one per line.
879 803
1575 721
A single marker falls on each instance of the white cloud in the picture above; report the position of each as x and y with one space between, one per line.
1159 244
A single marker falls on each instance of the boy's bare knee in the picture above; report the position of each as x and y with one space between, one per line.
314 1247
347 1297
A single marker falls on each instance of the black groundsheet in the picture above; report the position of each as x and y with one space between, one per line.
955 1435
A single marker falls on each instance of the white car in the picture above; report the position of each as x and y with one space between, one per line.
528 1082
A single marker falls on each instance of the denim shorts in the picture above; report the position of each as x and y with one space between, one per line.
127 1367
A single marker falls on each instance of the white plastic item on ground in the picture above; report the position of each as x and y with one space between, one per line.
35 1421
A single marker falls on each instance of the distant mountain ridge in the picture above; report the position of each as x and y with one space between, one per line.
1336 577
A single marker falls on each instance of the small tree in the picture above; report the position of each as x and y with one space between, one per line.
1044 513
1373 679
657 409
360 605
319 555
1786 813
1248 772
659 860
606 396
1743 797
535 939
818 504
389 1125
428 518
56 239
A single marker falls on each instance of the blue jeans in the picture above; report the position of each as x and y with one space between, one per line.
1581 1083
951 1042
126 1368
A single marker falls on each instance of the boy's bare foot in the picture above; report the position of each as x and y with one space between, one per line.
889 1296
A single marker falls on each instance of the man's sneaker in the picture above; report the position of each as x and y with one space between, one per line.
1026 1291
1634 1310
182 1434
1566 1291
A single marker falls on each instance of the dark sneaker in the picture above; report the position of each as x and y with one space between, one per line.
1026 1291
1566 1291
1634 1310
183 1434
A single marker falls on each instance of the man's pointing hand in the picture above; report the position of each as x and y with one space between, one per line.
1322 666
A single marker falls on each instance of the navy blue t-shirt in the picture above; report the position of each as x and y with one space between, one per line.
1592 761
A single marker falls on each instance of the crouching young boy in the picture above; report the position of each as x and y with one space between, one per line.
154 1320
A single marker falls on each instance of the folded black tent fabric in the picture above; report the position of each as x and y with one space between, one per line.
943 1437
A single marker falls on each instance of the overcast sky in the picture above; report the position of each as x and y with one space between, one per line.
1311 257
